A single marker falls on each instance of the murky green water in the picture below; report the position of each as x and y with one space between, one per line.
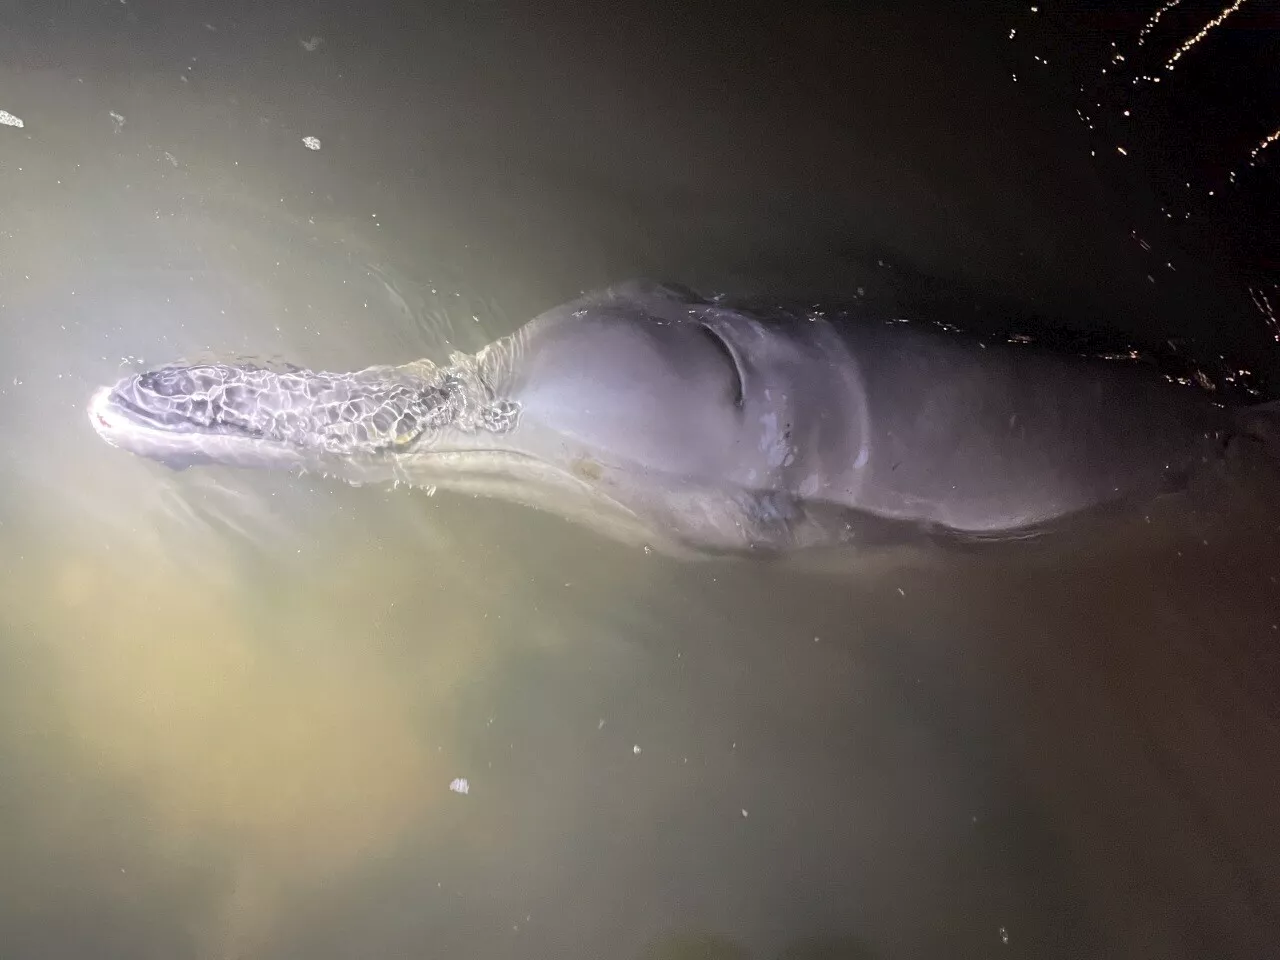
235 708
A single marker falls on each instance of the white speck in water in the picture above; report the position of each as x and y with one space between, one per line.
1004 935
460 785
312 45
901 592
636 749
311 143
600 725
744 811
9 120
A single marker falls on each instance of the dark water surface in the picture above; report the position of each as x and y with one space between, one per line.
232 705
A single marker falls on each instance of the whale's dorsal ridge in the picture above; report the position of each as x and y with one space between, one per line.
641 288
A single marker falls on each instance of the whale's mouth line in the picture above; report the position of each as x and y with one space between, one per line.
115 416
168 421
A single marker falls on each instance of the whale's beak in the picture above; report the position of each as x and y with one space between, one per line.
101 416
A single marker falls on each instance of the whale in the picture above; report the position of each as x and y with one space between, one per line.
700 425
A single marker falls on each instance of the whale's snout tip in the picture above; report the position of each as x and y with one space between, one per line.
101 416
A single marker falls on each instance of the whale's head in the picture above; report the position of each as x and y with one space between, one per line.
639 411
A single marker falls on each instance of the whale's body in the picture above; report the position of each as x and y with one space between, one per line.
656 416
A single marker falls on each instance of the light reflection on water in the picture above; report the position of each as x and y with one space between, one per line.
232 705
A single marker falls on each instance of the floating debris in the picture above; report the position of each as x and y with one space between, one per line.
9 120
311 143
636 749
312 45
117 120
460 785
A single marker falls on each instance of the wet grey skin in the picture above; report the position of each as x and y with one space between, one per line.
658 417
